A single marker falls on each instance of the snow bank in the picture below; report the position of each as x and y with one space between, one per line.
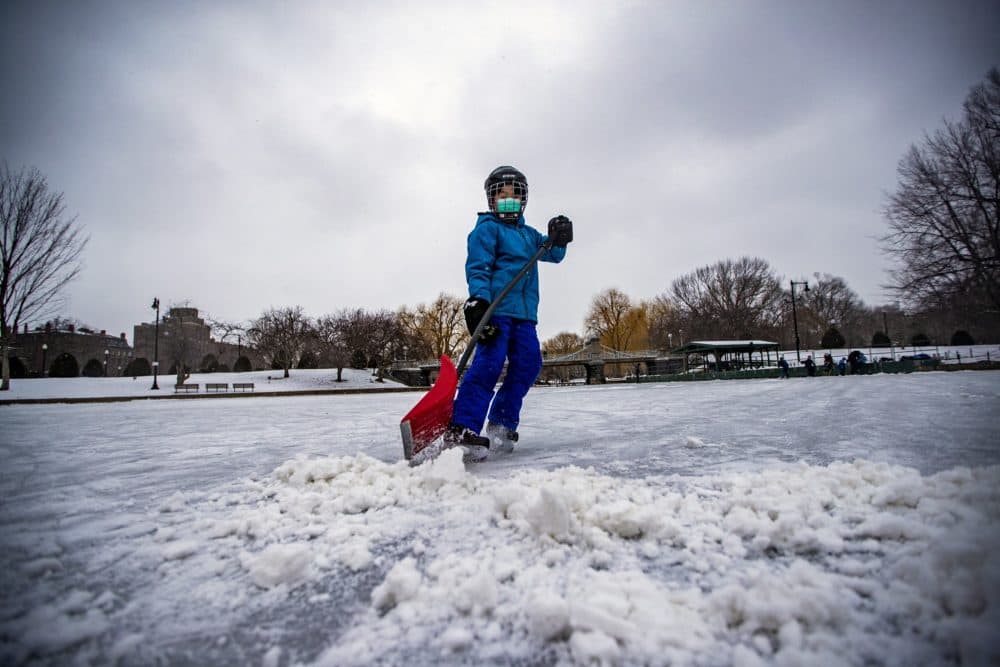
302 379
852 563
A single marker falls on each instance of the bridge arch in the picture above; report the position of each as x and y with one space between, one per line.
64 366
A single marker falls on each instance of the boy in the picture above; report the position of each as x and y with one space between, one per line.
499 245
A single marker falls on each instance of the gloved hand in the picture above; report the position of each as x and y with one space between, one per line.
560 231
474 310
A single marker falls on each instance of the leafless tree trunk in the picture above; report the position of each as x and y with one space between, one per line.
944 217
332 334
178 345
39 253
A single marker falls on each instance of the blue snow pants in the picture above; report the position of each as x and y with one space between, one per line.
517 343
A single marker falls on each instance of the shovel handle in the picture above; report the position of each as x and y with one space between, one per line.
484 320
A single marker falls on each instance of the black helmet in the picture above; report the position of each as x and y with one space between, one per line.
498 178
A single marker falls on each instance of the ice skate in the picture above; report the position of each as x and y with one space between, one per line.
501 438
475 447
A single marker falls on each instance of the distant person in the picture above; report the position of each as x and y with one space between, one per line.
810 366
854 360
783 366
842 365
828 363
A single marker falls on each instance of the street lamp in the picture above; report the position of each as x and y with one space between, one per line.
795 317
156 343
106 352
45 353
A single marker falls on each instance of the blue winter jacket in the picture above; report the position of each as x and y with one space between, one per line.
497 251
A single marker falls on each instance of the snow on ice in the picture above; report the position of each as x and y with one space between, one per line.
704 544
797 564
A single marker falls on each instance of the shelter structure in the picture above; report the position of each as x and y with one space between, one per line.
730 354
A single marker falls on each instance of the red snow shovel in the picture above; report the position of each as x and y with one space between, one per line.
429 418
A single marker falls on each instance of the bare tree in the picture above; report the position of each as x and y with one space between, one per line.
563 343
389 339
40 250
380 339
373 338
614 319
281 335
729 299
944 217
223 329
332 336
415 343
664 322
61 323
830 303
440 325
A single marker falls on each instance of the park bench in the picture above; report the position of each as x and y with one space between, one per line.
186 388
216 386
243 386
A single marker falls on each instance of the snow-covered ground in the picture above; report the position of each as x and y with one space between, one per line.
827 521
326 379
298 380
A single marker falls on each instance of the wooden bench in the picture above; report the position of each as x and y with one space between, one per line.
186 388
216 386
243 386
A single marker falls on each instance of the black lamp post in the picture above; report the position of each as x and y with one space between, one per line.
156 343
795 317
45 353
885 327
106 353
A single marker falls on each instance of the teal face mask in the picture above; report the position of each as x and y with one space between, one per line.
508 206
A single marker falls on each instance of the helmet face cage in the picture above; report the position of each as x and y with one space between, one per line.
513 200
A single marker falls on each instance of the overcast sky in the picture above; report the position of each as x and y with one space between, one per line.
243 155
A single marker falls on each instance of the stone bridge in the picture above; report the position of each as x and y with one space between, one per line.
594 358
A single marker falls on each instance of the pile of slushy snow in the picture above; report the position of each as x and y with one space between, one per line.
853 563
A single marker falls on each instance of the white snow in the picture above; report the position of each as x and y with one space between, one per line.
279 564
838 521
304 379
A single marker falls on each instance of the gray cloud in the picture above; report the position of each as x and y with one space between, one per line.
248 155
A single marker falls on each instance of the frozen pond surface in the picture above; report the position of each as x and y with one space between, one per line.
845 520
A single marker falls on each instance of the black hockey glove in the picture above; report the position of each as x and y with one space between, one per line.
560 231
474 310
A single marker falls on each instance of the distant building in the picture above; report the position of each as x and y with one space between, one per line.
185 337
71 352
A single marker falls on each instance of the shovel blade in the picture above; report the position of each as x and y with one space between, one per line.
429 418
